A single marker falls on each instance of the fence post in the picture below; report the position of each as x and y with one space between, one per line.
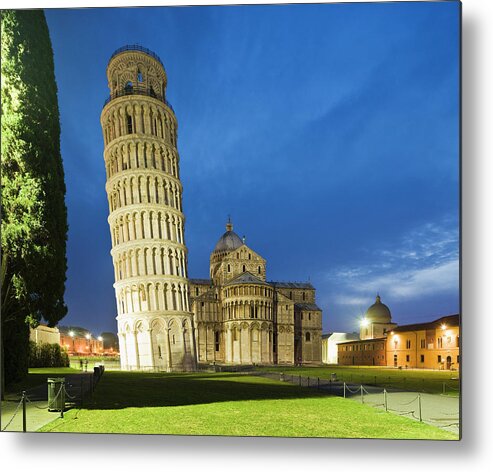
361 390
24 421
318 383
62 392
344 389
443 388
308 382
385 399
300 380
419 406
81 390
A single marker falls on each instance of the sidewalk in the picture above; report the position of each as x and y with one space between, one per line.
37 414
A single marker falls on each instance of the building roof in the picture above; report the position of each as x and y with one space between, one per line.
200 281
229 241
364 341
246 278
307 307
306 285
449 320
378 312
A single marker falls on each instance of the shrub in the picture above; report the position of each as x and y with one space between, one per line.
47 355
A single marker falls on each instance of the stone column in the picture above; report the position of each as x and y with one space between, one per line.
137 358
168 351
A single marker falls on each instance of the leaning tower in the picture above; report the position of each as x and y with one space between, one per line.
155 324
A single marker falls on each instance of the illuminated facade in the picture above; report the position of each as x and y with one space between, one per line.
155 323
241 318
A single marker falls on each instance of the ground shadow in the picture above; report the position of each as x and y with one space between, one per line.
117 390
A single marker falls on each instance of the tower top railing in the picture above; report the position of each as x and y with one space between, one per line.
137 47
138 90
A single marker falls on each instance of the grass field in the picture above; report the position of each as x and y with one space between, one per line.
230 404
37 377
430 381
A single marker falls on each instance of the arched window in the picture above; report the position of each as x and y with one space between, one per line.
249 256
303 295
129 125
139 76
307 337
129 87
259 269
229 268
244 268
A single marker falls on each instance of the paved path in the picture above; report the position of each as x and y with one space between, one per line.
37 414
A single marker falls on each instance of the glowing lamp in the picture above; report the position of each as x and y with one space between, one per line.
364 322
444 326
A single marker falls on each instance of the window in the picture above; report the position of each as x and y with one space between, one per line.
129 125
139 76
249 256
407 358
422 359
291 295
408 344
216 340
259 269
439 359
303 294
458 359
201 304
309 316
244 268
423 343
307 337
439 342
196 291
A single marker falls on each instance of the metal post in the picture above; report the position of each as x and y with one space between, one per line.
62 394
419 406
308 381
385 399
81 390
361 390
344 389
318 383
24 428
300 380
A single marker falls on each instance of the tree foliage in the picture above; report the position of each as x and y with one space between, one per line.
34 217
47 355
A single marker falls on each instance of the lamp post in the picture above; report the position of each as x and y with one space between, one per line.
100 339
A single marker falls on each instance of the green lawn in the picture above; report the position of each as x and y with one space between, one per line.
230 404
430 381
37 377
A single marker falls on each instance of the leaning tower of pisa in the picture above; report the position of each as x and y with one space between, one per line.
155 324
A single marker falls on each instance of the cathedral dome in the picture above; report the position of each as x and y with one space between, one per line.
378 312
229 241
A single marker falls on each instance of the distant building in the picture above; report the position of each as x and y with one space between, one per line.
80 342
45 334
431 345
329 345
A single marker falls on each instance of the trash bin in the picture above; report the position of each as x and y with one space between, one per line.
56 394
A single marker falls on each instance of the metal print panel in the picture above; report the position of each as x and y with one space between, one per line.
232 220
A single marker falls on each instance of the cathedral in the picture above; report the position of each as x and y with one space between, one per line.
240 318
167 321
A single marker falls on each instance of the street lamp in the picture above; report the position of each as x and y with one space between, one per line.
72 334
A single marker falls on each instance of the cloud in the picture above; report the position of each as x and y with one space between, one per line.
424 262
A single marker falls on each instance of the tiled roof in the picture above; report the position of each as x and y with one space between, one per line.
246 278
306 285
200 281
307 306
450 320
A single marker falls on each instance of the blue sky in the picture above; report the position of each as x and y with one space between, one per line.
330 133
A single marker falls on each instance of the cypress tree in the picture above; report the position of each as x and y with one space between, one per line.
34 216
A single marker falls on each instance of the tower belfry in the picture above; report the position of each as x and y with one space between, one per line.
155 324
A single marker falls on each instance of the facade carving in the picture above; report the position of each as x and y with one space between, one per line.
155 323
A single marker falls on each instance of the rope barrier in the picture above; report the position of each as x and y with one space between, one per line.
13 416
408 403
351 391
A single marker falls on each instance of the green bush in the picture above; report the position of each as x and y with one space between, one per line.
47 355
